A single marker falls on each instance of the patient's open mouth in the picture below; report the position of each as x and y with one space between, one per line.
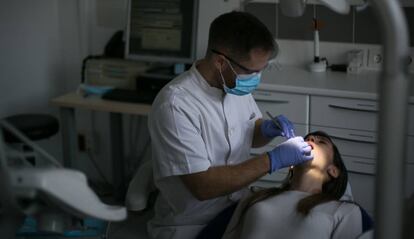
312 144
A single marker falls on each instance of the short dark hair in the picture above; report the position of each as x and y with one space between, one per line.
239 33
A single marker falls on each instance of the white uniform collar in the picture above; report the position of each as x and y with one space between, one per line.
213 91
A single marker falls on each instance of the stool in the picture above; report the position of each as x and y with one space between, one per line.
33 126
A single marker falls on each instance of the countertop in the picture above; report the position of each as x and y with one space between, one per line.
339 84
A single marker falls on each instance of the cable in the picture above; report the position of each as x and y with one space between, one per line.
107 230
101 174
362 7
137 124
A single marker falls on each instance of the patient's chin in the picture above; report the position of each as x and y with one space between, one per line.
304 165
318 160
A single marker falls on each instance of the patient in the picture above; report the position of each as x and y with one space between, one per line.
306 206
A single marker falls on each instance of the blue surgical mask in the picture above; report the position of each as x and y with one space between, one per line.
245 83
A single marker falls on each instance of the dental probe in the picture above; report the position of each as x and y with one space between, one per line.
278 125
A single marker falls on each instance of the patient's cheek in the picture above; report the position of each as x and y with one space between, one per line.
318 157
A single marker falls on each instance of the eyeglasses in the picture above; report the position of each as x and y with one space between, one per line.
234 62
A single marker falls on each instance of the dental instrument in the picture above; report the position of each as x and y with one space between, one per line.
292 132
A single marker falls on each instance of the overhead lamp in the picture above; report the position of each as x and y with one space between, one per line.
296 8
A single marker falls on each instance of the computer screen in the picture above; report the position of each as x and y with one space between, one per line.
162 30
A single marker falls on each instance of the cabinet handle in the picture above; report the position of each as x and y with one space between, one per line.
267 93
273 101
363 162
264 93
358 107
355 140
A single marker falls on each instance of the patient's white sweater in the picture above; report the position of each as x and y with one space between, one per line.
276 217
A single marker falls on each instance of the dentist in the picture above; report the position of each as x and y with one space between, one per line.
203 125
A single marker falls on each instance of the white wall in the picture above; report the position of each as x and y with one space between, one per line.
42 44
73 44
208 10
30 59
300 53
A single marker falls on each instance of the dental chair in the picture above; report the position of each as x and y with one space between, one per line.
53 195
140 198
140 188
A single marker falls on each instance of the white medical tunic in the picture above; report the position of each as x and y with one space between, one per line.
193 127
276 217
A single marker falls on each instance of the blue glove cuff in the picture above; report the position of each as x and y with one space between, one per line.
274 163
268 129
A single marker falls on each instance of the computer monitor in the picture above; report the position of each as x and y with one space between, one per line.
162 31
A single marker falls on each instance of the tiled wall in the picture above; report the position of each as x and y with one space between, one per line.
356 27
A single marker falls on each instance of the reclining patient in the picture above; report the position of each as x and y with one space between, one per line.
307 205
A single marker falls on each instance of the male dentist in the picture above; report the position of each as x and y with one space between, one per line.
203 125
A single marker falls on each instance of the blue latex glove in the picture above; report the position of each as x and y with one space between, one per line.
270 129
291 152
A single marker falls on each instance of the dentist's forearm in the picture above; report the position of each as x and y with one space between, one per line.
259 140
223 180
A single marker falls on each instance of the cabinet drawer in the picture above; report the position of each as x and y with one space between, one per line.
363 190
344 113
299 130
293 106
359 165
352 142
368 166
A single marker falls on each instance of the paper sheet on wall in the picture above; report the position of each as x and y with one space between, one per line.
163 39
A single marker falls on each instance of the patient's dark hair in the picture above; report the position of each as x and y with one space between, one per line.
334 189
240 32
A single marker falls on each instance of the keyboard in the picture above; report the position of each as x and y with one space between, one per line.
133 96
